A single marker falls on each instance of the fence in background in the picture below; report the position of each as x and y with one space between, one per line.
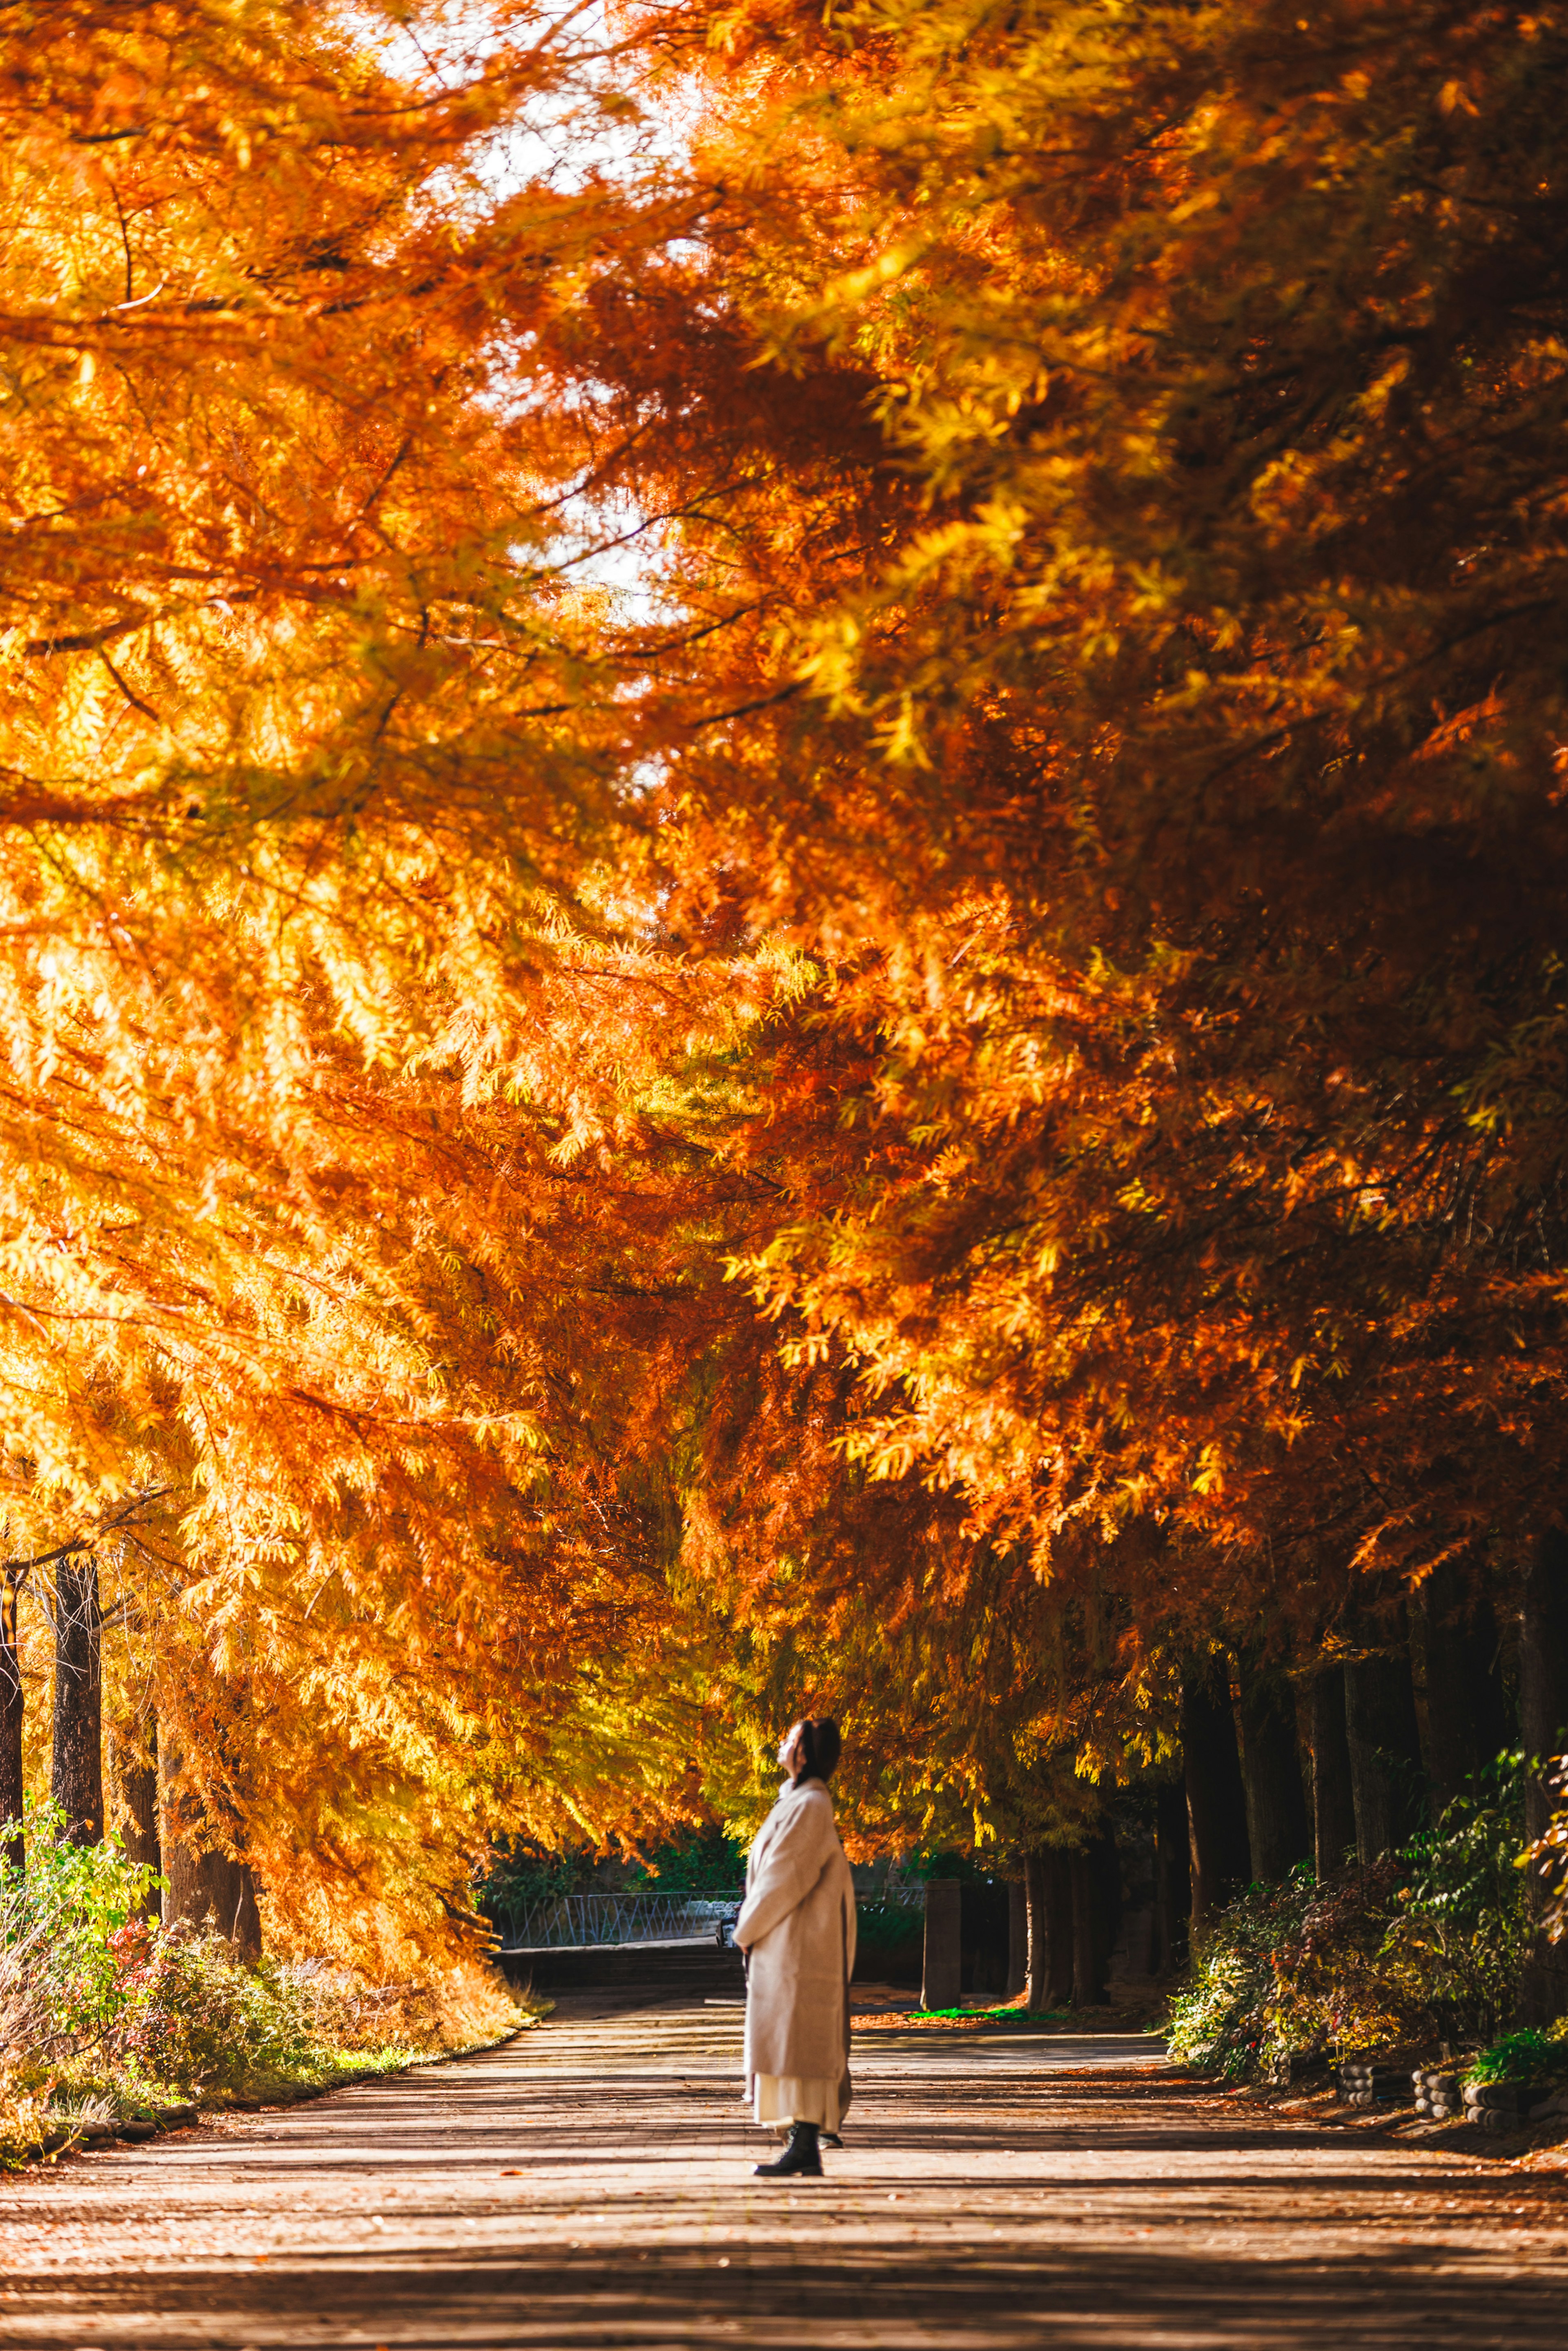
566 1922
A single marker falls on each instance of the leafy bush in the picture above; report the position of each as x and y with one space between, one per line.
703 1861
90 1986
889 1926
342 2012
193 2019
1427 1944
61 1957
1531 2054
1227 2021
1335 1987
1462 1930
1549 1855
105 2011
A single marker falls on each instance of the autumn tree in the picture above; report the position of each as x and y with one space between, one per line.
1183 944
312 736
960 1095
1112 458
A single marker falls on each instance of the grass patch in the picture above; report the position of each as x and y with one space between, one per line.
1004 2015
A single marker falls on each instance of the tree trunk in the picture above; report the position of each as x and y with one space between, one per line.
207 1889
1215 1799
1173 1878
1333 1793
234 1908
188 1902
1096 1879
247 1935
176 1820
1059 1912
1279 1833
1453 1673
78 1785
1036 1965
139 1794
11 1785
210 1890
1497 1723
1018 1939
1543 1712
1085 1955
1387 1777
941 1974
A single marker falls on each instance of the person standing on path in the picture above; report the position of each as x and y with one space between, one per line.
797 1928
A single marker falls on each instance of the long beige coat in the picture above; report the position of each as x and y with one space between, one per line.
798 1924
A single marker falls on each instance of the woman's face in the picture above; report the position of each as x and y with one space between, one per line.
789 1751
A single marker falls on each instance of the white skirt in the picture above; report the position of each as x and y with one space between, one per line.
784 2098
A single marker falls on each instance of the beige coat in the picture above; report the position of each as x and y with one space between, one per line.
798 1926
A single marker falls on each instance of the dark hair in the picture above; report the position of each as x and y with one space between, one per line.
820 1747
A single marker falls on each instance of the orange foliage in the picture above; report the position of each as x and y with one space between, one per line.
960 1089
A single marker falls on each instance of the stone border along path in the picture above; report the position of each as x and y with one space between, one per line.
588 2184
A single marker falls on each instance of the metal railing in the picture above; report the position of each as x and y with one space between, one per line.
581 1922
574 1921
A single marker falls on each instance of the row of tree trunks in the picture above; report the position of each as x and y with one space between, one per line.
1172 1880
1071 1904
1059 1930
941 1968
1247 1805
1467 1717
1248 1809
1082 1941
1374 1782
1038 1938
206 1888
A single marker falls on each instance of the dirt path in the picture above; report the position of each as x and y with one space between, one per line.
590 2185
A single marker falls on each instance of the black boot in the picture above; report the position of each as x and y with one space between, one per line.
800 2160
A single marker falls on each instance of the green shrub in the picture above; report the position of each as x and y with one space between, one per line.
1528 2056
1548 1857
700 1861
1427 1944
103 2006
1462 1930
888 1925
521 1872
61 1924
193 2019
1226 2021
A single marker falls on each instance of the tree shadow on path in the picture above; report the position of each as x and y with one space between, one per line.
871 2293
